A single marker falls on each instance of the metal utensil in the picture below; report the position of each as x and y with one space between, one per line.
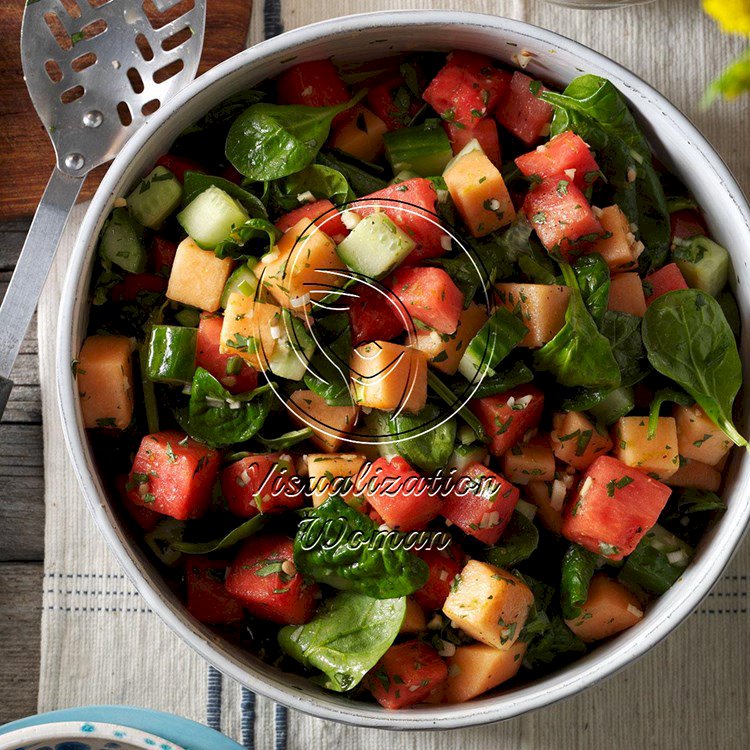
95 70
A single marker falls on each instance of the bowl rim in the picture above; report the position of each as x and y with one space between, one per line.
610 657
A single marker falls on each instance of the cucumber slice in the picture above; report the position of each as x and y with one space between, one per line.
188 316
171 354
424 149
121 242
242 281
155 197
464 455
657 562
293 349
616 404
211 217
494 341
704 264
375 246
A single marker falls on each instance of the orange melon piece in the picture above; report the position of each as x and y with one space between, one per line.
444 351
489 604
198 277
529 461
296 269
246 329
620 249
549 498
333 473
609 609
541 306
389 376
577 441
695 474
699 438
658 457
479 193
414 618
104 374
330 424
477 668
361 136
626 294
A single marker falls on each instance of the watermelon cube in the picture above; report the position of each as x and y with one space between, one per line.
444 566
566 156
233 372
313 84
373 316
686 223
207 598
522 112
322 213
667 279
484 131
429 295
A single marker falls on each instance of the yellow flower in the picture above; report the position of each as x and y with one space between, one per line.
732 15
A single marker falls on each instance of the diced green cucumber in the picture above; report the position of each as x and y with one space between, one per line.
171 354
657 562
121 242
375 246
155 197
424 149
465 435
616 404
494 341
472 145
704 264
188 316
160 539
403 176
211 217
293 349
463 455
242 280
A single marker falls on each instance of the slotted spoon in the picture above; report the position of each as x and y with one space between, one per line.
95 70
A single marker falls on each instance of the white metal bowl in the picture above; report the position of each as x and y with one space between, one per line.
556 59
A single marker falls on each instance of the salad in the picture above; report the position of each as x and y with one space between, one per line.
415 377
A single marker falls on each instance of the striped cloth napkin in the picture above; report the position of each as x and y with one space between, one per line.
101 644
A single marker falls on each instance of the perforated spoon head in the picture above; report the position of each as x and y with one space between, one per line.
96 69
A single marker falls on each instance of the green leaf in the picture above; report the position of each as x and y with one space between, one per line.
517 374
592 273
359 174
624 333
519 540
578 567
428 450
321 181
444 393
287 440
236 535
735 80
660 397
557 639
346 638
328 372
251 229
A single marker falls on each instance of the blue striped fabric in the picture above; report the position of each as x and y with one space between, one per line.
280 726
213 701
248 719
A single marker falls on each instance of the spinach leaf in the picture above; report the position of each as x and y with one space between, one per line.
287 440
321 181
688 512
660 397
517 374
218 418
624 333
556 640
444 393
592 274
689 341
339 546
327 373
578 566
196 182
270 141
594 109
346 638
428 450
579 355
250 230
243 531
519 540
358 174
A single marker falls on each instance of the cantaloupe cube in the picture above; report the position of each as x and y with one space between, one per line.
699 438
444 351
489 604
541 306
389 376
414 619
620 250
297 269
479 193
695 474
609 609
246 330
626 294
333 474
526 462
577 441
658 457
104 375
362 136
330 424
198 277
477 668
549 498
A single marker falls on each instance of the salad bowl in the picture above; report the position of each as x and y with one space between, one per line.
551 58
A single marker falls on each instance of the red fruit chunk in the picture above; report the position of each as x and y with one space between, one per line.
444 566
429 295
322 213
230 370
481 503
261 483
399 494
178 165
686 223
406 674
392 101
507 417
173 475
133 284
563 153
145 518
162 253
466 88
265 582
207 598
667 279
613 508
373 316
314 84
485 131
561 216
522 112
